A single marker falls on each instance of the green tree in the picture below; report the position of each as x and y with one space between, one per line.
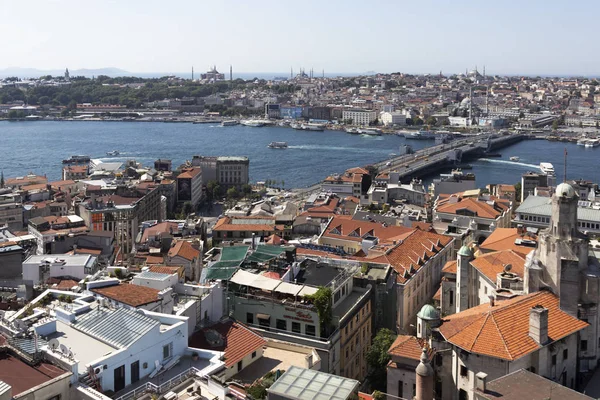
213 189
246 190
232 193
417 121
555 124
432 121
518 191
188 208
378 357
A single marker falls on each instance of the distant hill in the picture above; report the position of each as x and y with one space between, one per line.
34 72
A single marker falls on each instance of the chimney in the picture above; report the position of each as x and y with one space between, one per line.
492 300
538 324
480 381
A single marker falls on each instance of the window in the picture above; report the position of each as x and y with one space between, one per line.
309 330
281 324
239 366
451 298
167 349
554 359
253 354
249 318
400 389
584 345
463 370
565 354
296 327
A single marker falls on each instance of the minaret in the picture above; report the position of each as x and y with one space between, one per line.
291 72
484 72
471 105
487 97
230 73
192 72
424 383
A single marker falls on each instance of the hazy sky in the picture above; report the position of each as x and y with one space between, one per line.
509 37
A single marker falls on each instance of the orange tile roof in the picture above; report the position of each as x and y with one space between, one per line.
413 251
162 227
238 341
162 269
190 172
449 267
154 259
491 264
504 238
132 295
480 207
438 295
407 347
224 225
358 229
502 331
185 250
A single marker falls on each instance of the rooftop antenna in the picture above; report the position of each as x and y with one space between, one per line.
565 178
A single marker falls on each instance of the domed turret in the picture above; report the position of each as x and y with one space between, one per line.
465 251
428 313
565 190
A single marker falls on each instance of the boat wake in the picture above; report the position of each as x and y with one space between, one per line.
337 148
510 163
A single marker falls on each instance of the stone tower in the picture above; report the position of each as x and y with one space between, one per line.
563 250
424 381
465 255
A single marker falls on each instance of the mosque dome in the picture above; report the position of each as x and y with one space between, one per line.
565 190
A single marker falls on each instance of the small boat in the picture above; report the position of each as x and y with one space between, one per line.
582 142
514 158
370 132
229 122
313 127
278 145
77 160
592 143
352 131
296 126
113 153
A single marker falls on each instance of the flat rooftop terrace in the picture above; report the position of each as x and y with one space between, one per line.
316 274
272 359
22 376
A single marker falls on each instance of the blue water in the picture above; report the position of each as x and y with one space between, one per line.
39 147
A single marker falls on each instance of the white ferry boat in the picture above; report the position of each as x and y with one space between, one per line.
278 145
252 122
547 168
113 153
420 135
229 122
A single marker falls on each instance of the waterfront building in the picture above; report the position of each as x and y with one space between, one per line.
287 112
189 185
381 192
272 110
354 182
208 166
388 118
232 172
358 116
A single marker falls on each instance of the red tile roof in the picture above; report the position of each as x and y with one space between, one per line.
504 238
355 230
22 376
491 264
184 250
238 341
481 208
502 331
407 347
132 295
225 225
414 251
190 172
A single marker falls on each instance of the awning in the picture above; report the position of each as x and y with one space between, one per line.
263 316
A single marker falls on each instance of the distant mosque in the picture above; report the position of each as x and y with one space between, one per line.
212 75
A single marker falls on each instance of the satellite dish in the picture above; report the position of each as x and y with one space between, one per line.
64 349
53 344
